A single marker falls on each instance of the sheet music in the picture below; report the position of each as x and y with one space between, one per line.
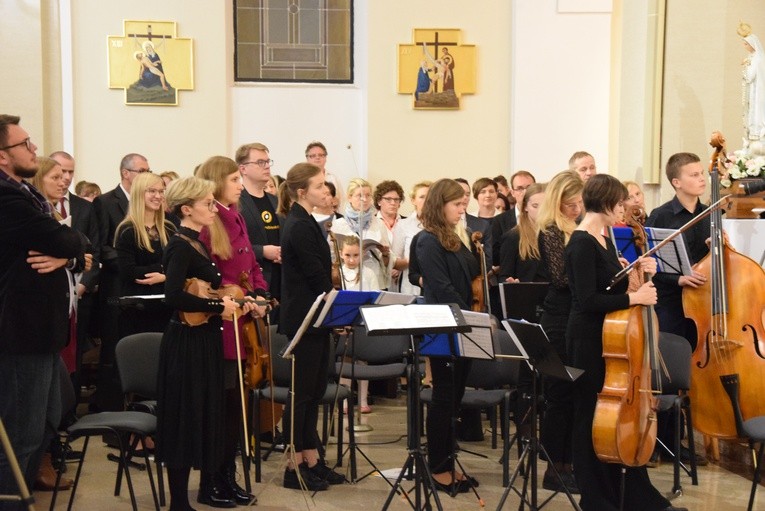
389 317
144 297
303 326
479 342
673 257
390 298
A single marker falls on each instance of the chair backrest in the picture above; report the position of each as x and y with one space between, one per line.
497 373
280 366
378 349
137 359
68 397
676 352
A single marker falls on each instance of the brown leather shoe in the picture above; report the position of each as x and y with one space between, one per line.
46 476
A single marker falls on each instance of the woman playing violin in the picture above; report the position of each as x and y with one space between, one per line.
190 394
227 241
591 262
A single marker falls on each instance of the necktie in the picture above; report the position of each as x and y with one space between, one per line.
62 207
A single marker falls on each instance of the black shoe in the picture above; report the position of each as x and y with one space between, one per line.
685 457
472 481
311 482
324 473
239 494
453 488
566 481
212 492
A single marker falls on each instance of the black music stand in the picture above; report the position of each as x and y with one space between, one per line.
522 300
343 312
415 466
535 348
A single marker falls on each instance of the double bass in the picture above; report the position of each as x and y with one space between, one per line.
728 364
624 426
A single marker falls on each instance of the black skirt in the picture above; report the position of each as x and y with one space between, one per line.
190 396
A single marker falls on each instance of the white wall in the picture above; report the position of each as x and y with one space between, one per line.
561 65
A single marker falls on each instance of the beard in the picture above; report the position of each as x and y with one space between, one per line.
26 172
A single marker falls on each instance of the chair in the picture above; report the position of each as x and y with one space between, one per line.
120 425
676 353
137 358
491 385
754 430
372 358
282 373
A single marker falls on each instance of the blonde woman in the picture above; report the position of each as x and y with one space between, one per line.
139 241
557 221
519 252
405 231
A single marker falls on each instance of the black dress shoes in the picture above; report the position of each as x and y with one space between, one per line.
310 480
237 493
212 491
324 473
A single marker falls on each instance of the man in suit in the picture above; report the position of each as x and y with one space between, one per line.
506 220
258 208
84 221
111 209
34 306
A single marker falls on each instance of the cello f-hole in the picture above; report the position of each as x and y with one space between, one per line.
755 340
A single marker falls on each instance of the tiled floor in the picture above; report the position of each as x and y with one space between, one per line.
718 489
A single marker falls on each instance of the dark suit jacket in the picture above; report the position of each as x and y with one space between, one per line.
307 268
446 276
499 227
482 225
111 209
256 231
34 307
84 220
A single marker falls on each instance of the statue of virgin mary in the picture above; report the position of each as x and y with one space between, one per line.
753 90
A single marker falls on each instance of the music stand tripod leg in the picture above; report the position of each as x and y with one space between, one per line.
24 495
424 486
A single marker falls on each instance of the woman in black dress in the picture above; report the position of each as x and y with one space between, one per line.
448 268
557 220
190 380
306 273
591 262
519 253
139 241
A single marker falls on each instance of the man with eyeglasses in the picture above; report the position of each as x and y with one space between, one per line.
34 306
506 220
111 209
258 208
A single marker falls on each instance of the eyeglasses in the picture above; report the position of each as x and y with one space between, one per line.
260 163
27 142
392 200
154 191
316 156
520 188
139 171
209 205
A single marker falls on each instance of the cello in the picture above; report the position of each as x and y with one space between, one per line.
728 364
624 425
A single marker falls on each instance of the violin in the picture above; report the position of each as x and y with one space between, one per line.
480 284
728 364
624 425
338 280
203 289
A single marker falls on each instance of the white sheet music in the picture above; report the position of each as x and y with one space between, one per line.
390 298
673 257
479 342
389 317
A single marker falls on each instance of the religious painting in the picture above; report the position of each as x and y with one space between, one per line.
150 62
436 69
293 41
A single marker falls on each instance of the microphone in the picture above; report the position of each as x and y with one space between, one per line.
752 187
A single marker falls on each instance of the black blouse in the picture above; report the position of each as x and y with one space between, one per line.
135 262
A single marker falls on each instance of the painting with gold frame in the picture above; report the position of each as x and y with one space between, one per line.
150 62
436 68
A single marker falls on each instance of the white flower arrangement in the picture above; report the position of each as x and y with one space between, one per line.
743 165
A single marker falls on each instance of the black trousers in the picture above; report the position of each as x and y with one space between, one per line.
448 390
557 422
311 378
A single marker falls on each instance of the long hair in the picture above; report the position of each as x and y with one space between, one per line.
297 179
137 208
45 165
218 169
185 192
564 186
528 246
433 219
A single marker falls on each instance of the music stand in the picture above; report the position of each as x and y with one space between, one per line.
521 300
535 348
673 257
341 310
407 320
